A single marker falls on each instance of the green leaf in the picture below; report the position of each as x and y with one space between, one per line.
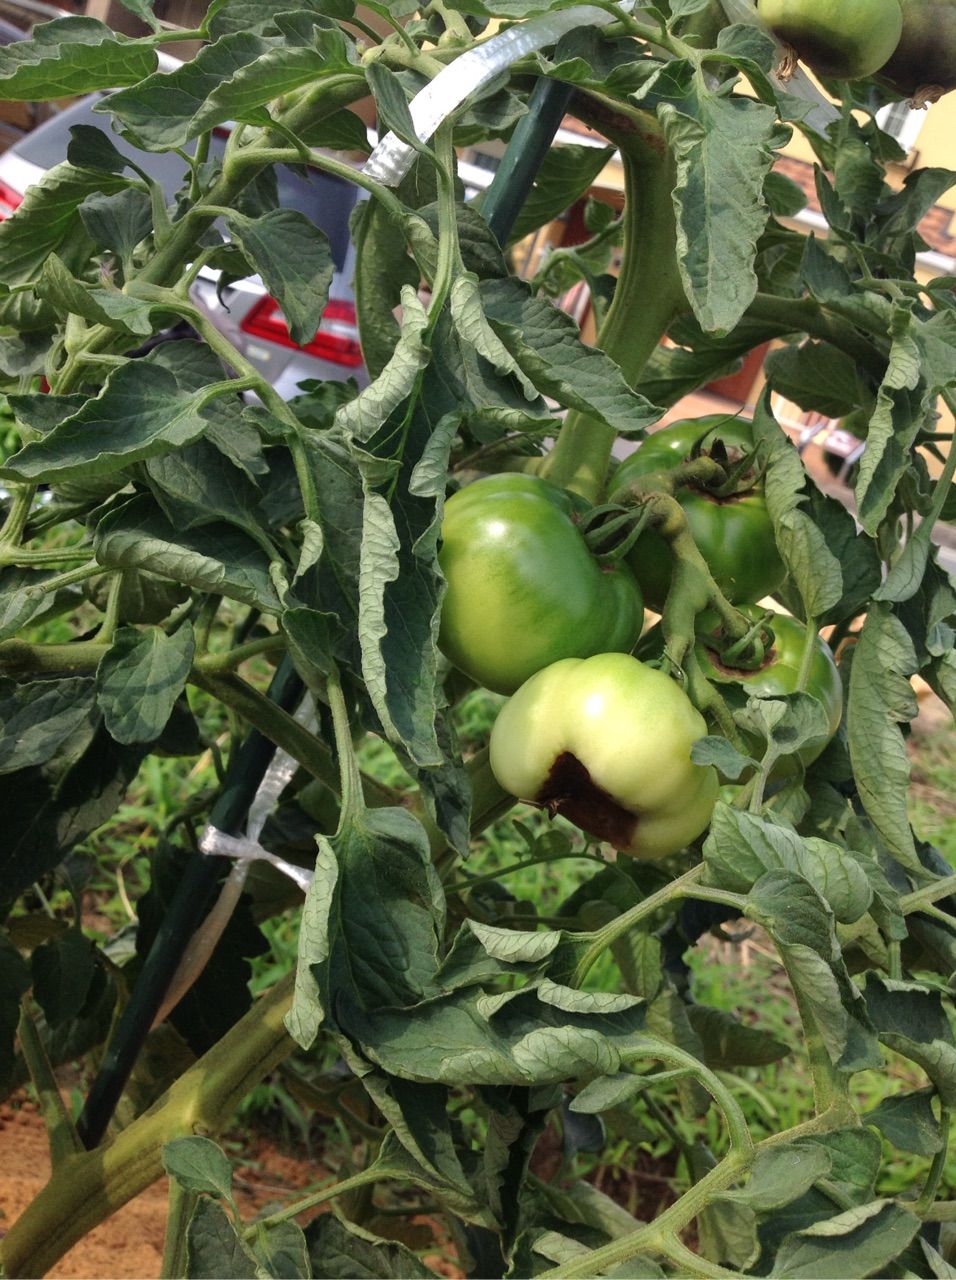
69 57
698 358
199 1165
100 306
320 49
39 716
811 564
542 1035
722 755
381 275
225 17
392 105
547 348
118 222
881 698
140 413
92 148
903 405
140 678
63 970
24 353
214 558
341 1250
741 847
158 112
363 416
817 376
608 1092
282 1250
44 816
143 9
723 147
909 1122
801 924
293 257
49 218
14 982
566 173
198 485
785 726
912 1021
400 589
213 1248
862 1241
370 923
729 1043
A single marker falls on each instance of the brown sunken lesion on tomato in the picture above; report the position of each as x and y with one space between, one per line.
570 791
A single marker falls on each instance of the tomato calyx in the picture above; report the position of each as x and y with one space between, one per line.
743 655
570 791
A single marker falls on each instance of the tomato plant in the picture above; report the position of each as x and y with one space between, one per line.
235 604
732 529
523 589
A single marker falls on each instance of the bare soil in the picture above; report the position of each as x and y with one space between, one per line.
130 1243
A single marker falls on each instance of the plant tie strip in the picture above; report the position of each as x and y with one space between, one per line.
246 849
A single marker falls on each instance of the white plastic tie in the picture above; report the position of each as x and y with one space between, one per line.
246 849
461 79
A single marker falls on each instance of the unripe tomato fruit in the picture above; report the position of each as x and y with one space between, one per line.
924 64
606 742
847 39
523 586
779 674
734 534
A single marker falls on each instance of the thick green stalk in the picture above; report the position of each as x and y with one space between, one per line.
85 1189
647 298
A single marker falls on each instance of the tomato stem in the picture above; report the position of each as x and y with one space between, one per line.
639 315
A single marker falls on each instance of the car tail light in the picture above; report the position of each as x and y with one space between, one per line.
336 339
9 200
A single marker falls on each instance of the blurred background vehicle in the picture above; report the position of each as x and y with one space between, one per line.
243 309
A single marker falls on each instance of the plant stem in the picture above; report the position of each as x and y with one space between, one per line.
272 721
806 315
367 1177
215 663
353 801
691 1265
179 1211
21 500
88 1187
61 1132
683 886
937 1168
658 1233
647 298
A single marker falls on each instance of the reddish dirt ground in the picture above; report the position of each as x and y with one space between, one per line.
130 1243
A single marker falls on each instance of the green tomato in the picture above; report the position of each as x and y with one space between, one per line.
734 534
924 63
606 742
779 674
523 587
846 39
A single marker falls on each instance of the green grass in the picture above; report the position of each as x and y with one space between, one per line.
933 789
